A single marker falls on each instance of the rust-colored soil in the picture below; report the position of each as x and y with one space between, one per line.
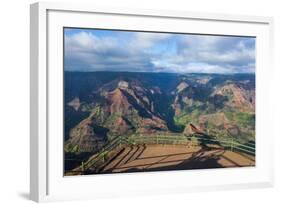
174 157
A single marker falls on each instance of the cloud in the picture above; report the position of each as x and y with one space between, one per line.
158 52
147 40
211 54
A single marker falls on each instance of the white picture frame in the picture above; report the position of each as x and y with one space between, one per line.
46 179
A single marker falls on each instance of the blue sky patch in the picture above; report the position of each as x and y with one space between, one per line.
110 50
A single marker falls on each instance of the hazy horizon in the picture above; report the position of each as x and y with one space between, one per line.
109 71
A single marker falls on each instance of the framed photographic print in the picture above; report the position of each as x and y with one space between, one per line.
127 102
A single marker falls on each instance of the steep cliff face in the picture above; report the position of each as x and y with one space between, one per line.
238 97
84 138
125 109
113 104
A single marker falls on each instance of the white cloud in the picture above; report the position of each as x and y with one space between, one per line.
211 54
146 40
87 42
141 51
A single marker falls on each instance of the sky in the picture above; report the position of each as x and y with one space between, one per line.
109 50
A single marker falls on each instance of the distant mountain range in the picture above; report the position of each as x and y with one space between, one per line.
100 106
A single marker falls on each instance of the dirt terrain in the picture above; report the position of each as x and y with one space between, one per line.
174 157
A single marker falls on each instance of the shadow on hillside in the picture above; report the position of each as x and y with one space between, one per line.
73 160
141 111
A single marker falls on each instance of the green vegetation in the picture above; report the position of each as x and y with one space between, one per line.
134 118
99 114
188 116
71 148
111 119
241 118
85 107
245 119
194 141
182 120
144 112
97 110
